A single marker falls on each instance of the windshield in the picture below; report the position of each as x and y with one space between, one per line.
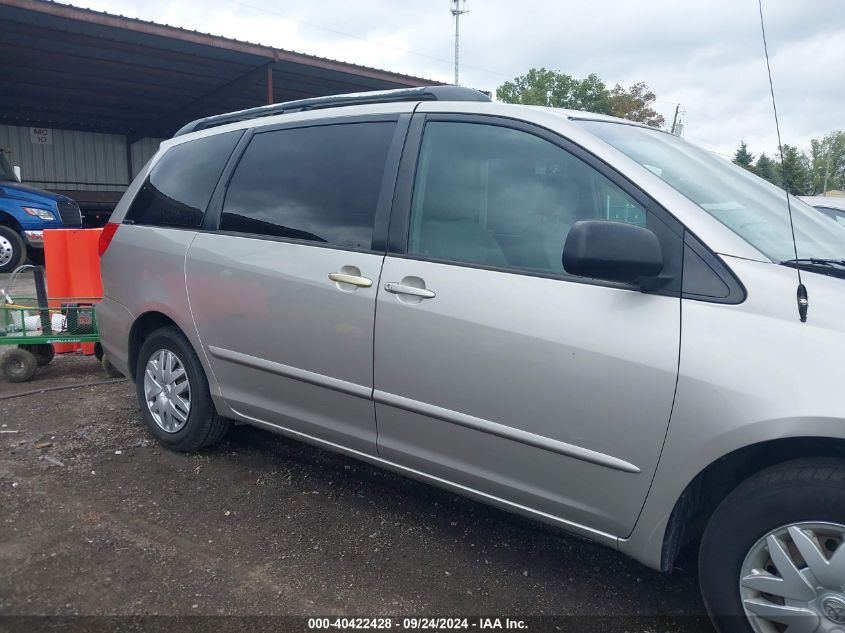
750 206
6 172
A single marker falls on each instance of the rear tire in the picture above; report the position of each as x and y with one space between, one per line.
173 393
12 249
795 503
43 353
19 365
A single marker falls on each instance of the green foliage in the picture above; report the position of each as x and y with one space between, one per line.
827 159
541 86
635 104
765 168
744 158
557 90
802 173
793 172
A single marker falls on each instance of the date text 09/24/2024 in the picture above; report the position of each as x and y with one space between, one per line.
486 623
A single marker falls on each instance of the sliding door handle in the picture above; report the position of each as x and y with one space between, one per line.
355 280
404 289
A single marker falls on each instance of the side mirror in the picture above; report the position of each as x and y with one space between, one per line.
612 251
17 170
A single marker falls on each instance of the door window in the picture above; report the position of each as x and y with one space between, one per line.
319 184
497 196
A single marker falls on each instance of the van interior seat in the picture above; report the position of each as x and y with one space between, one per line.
451 227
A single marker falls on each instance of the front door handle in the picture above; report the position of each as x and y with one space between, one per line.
355 280
404 289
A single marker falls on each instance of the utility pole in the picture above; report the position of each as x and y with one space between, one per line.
827 165
675 120
458 7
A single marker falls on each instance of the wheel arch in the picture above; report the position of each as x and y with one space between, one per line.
7 219
141 328
713 483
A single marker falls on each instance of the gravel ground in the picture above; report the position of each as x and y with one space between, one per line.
24 285
97 519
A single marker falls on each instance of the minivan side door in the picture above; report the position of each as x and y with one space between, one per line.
283 290
494 368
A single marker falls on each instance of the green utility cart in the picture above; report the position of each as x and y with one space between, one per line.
33 324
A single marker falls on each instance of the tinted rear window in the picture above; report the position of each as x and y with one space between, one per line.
179 187
319 184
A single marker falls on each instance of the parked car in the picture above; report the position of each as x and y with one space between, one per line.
24 214
574 317
831 206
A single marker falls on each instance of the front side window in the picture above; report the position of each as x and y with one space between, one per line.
497 196
179 187
319 184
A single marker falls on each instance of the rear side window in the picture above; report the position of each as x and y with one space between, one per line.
180 185
319 184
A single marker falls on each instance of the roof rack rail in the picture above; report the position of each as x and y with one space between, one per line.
424 93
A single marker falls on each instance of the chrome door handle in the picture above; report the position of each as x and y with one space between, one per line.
355 280
404 289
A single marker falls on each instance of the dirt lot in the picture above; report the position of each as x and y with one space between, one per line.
98 519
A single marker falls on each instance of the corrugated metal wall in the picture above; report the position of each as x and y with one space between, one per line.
142 151
75 160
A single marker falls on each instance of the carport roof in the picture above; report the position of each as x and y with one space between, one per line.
68 67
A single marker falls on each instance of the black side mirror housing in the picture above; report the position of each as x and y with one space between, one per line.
612 251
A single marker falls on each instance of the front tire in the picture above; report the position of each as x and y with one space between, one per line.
173 393
12 249
773 554
19 365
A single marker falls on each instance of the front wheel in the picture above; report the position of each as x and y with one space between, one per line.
772 557
173 393
12 249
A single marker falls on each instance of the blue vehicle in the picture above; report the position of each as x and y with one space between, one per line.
24 214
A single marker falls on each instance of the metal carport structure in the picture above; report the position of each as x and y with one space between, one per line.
108 88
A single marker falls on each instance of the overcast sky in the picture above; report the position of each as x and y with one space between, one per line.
706 55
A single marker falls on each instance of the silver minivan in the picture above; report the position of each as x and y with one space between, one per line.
574 317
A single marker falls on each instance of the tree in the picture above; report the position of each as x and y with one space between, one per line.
765 168
827 161
744 158
794 171
541 86
635 104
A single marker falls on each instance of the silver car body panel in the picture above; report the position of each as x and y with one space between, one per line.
142 284
526 394
115 337
293 352
749 373
288 345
